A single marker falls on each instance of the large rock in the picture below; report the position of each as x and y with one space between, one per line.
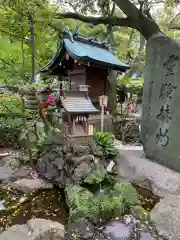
82 229
117 229
29 185
51 165
11 160
133 166
66 163
42 229
35 229
16 232
6 173
160 122
166 217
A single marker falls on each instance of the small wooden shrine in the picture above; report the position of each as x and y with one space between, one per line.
78 107
82 61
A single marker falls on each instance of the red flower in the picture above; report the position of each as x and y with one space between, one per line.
50 100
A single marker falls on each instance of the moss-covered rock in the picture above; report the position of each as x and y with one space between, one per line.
96 176
81 202
106 201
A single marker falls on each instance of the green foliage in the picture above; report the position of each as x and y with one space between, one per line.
128 192
10 103
38 148
103 203
42 141
12 72
10 129
110 204
105 141
14 124
126 80
82 202
95 176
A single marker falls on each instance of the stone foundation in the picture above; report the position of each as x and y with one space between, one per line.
65 160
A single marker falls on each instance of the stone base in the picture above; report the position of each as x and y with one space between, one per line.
95 120
85 140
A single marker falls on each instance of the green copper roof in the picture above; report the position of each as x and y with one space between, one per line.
86 49
91 53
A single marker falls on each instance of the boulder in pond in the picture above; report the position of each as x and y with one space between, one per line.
6 173
81 229
29 185
117 229
147 236
35 229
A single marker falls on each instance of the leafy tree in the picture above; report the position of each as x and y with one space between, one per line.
17 44
133 14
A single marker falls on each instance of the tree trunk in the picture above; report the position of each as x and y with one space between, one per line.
31 20
112 77
112 99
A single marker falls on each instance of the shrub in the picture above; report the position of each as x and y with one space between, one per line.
95 176
9 103
81 202
106 202
105 141
10 129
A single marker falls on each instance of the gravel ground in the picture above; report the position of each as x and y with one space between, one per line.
121 146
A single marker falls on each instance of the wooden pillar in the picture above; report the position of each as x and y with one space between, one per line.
73 124
86 125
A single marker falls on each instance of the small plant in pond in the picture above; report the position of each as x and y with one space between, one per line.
96 176
105 141
127 191
81 202
105 202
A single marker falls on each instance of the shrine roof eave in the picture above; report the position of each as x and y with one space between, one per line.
81 111
76 103
52 65
93 54
85 52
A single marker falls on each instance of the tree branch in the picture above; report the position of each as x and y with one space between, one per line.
128 8
135 19
171 23
114 21
175 28
113 9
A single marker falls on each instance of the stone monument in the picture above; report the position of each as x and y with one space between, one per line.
161 110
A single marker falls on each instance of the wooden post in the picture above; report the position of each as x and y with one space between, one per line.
102 118
73 125
103 102
86 125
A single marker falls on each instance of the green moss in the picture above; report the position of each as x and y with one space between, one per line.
81 202
127 191
95 176
103 203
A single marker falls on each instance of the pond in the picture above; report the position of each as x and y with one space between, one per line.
147 198
47 204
